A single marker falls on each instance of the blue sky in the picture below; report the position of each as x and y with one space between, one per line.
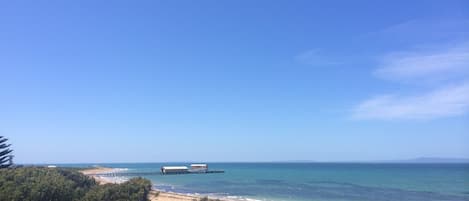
146 81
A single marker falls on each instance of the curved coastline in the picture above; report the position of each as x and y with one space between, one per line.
156 194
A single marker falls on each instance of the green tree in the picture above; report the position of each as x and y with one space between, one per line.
136 189
65 184
5 153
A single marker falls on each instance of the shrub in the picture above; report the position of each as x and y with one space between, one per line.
136 189
37 184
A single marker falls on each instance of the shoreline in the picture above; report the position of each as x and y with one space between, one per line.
100 179
155 194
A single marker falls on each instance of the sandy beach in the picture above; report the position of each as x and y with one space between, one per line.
154 195
102 170
167 196
98 170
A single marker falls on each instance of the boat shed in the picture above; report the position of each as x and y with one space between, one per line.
199 166
174 169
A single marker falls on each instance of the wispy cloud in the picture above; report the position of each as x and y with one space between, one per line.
314 57
449 66
446 27
440 64
442 102
420 31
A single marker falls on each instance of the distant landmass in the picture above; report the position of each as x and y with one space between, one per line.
433 160
414 160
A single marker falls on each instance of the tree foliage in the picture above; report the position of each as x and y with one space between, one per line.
56 184
5 153
136 189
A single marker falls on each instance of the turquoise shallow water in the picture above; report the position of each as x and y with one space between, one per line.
319 181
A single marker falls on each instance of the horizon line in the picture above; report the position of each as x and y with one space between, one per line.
400 161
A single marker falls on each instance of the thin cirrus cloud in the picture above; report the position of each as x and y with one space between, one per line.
314 57
449 63
424 30
442 102
450 67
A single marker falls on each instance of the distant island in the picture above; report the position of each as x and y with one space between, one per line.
436 160
413 160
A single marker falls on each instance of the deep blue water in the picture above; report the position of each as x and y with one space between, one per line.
319 181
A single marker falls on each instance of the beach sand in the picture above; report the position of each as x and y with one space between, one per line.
102 170
154 195
166 196
98 170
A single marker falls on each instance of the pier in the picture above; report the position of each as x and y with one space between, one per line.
135 174
194 169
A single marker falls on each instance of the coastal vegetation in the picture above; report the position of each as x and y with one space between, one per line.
5 153
57 184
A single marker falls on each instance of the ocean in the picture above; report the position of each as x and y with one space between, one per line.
317 181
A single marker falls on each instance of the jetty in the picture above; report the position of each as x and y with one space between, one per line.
194 169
